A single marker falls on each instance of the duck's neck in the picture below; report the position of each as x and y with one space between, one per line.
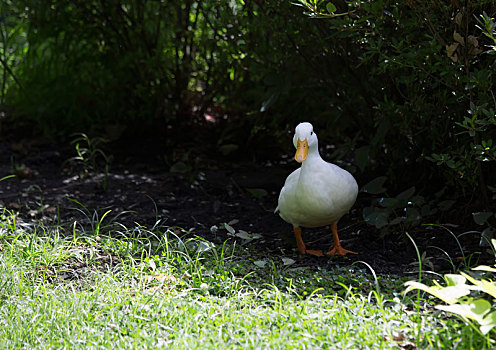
313 157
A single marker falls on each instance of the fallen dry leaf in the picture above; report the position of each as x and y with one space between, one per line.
402 341
458 18
14 205
472 40
158 278
50 211
451 51
23 172
458 38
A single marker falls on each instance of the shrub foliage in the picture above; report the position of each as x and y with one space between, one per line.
405 86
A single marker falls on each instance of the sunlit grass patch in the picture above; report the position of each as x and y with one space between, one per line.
159 287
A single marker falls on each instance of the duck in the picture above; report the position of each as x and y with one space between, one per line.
316 194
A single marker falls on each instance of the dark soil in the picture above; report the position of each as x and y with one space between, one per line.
206 193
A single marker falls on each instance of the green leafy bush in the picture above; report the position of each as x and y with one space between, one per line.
423 92
94 63
406 209
12 44
407 86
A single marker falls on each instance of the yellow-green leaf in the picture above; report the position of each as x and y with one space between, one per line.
330 7
488 322
484 268
488 287
453 280
449 295
472 311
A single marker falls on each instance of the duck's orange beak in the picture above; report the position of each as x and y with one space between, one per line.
301 150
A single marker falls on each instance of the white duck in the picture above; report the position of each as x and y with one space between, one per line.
316 194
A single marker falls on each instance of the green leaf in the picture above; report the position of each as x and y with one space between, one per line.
397 220
388 202
205 246
488 287
454 279
260 263
426 210
376 217
179 167
375 186
229 229
474 310
288 261
486 237
362 157
488 323
484 268
381 133
446 205
481 217
449 295
376 6
406 195
330 7
412 214
245 235
417 200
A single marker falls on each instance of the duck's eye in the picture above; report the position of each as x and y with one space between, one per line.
311 133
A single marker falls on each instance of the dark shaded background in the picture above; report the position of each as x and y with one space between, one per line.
400 91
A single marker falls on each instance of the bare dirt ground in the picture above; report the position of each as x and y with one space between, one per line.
142 189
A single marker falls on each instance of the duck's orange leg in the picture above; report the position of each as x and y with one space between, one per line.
336 249
301 244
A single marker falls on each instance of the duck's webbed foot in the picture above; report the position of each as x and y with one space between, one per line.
301 244
315 252
336 249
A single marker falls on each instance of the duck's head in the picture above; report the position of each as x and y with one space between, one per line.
304 138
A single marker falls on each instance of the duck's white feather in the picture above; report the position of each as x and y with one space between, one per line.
318 193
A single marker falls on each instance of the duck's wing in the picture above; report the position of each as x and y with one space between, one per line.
289 186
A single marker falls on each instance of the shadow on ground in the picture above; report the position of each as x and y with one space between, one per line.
200 195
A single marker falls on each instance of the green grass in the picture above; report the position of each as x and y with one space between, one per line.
109 286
